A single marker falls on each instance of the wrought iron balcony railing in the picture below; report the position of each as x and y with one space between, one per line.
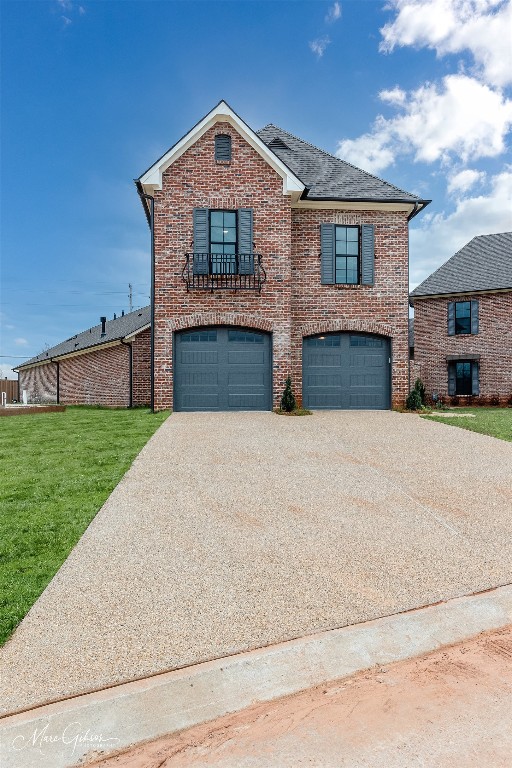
220 271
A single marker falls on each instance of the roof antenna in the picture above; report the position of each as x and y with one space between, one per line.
130 296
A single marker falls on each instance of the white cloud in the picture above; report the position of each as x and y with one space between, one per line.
438 237
481 27
462 118
66 21
333 14
462 181
66 5
319 45
20 342
81 10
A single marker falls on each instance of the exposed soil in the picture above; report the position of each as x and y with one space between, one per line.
451 708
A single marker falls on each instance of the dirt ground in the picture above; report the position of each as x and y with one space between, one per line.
450 708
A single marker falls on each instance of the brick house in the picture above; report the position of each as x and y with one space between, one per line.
463 323
108 364
272 258
269 258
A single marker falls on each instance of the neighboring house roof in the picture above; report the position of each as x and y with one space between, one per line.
308 173
330 178
484 264
115 330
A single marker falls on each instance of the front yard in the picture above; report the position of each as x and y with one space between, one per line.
56 471
496 422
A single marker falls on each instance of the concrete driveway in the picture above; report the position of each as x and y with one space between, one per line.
235 531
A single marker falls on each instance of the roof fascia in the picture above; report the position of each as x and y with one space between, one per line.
353 205
413 298
136 333
151 180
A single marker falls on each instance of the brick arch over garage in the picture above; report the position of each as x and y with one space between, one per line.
339 326
199 319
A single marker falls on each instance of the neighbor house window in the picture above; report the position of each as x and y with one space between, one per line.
463 377
346 255
223 242
462 317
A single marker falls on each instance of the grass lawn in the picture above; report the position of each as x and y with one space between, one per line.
56 470
496 422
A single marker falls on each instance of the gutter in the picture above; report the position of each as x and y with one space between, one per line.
130 369
151 220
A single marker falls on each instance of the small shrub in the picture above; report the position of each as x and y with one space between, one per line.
413 402
420 388
494 400
288 402
454 400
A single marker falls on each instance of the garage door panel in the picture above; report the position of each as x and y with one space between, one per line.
350 372
222 369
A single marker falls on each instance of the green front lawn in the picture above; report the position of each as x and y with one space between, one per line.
496 422
56 470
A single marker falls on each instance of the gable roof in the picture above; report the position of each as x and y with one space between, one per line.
308 173
483 264
115 330
328 177
151 179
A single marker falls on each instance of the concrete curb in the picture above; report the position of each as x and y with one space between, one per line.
65 733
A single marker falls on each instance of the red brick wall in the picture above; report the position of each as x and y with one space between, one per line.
381 308
493 343
292 303
95 378
40 383
141 361
197 180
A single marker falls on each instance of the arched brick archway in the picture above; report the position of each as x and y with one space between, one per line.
199 319
337 325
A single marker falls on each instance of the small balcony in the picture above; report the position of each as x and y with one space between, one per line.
221 271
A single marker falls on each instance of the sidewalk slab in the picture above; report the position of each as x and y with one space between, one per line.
80 729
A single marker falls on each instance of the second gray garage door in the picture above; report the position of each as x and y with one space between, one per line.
222 369
346 370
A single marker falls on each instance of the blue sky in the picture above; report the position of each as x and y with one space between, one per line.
416 91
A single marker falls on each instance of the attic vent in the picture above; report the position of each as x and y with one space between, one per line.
222 147
278 143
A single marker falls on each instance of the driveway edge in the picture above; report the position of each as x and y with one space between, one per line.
75 730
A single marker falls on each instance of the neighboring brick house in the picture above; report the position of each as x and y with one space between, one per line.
273 258
108 364
463 323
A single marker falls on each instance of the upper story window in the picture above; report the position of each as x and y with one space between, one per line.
347 255
462 317
223 241
223 147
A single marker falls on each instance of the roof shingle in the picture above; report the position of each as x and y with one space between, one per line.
483 264
114 331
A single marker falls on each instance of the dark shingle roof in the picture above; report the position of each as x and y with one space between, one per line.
114 330
327 177
484 264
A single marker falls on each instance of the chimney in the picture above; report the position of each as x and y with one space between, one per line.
115 316
122 313
103 320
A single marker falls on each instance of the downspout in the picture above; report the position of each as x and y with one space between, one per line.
58 381
130 368
152 351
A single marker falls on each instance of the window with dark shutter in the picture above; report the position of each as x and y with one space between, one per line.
327 253
367 254
222 147
201 244
245 237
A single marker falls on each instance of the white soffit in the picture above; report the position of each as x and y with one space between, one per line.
152 178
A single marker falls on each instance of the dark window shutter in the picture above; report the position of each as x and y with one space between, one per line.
474 317
475 383
451 318
201 241
222 147
367 254
327 258
245 238
452 382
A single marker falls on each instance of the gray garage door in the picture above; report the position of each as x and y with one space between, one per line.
222 369
346 370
